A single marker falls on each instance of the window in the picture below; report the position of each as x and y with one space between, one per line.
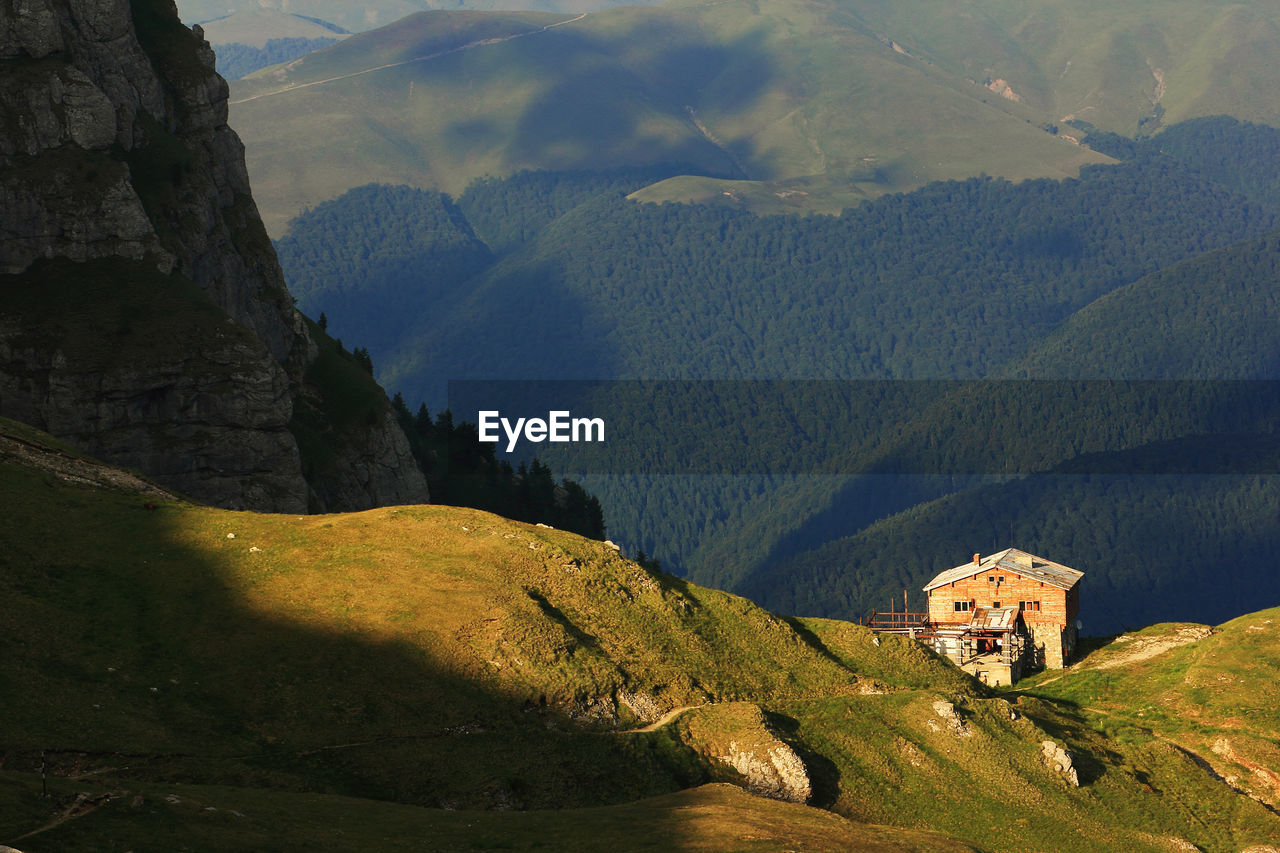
991 578
1028 605
963 606
1000 579
995 604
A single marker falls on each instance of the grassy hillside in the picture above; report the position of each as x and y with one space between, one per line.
365 16
817 105
709 818
1207 690
231 680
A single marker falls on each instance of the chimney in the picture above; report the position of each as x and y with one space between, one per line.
977 558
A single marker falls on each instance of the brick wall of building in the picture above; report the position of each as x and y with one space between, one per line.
1049 612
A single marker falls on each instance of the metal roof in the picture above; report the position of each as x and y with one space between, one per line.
993 619
1012 561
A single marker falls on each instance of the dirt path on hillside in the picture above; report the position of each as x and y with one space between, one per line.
84 804
664 719
1142 648
1135 649
293 87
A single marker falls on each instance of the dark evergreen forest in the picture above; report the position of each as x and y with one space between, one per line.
236 60
1162 266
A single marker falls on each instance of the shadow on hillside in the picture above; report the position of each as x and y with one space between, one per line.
608 107
824 775
150 663
1091 765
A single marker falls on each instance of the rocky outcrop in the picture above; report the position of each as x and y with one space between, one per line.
775 772
1060 761
210 419
955 723
372 471
737 735
144 315
642 706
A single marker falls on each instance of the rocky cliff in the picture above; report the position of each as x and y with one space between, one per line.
144 316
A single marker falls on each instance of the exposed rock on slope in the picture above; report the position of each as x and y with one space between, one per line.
144 316
736 734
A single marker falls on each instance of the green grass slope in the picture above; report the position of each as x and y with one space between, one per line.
560 101
221 635
1209 691
221 680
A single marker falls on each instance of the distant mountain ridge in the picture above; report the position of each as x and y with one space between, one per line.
816 106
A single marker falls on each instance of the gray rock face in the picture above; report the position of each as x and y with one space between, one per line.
28 28
775 771
1060 761
374 473
114 413
115 154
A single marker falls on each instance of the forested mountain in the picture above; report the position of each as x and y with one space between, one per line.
1154 268
908 286
912 285
235 60
379 261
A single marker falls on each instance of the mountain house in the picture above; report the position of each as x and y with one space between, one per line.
1001 614
997 616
